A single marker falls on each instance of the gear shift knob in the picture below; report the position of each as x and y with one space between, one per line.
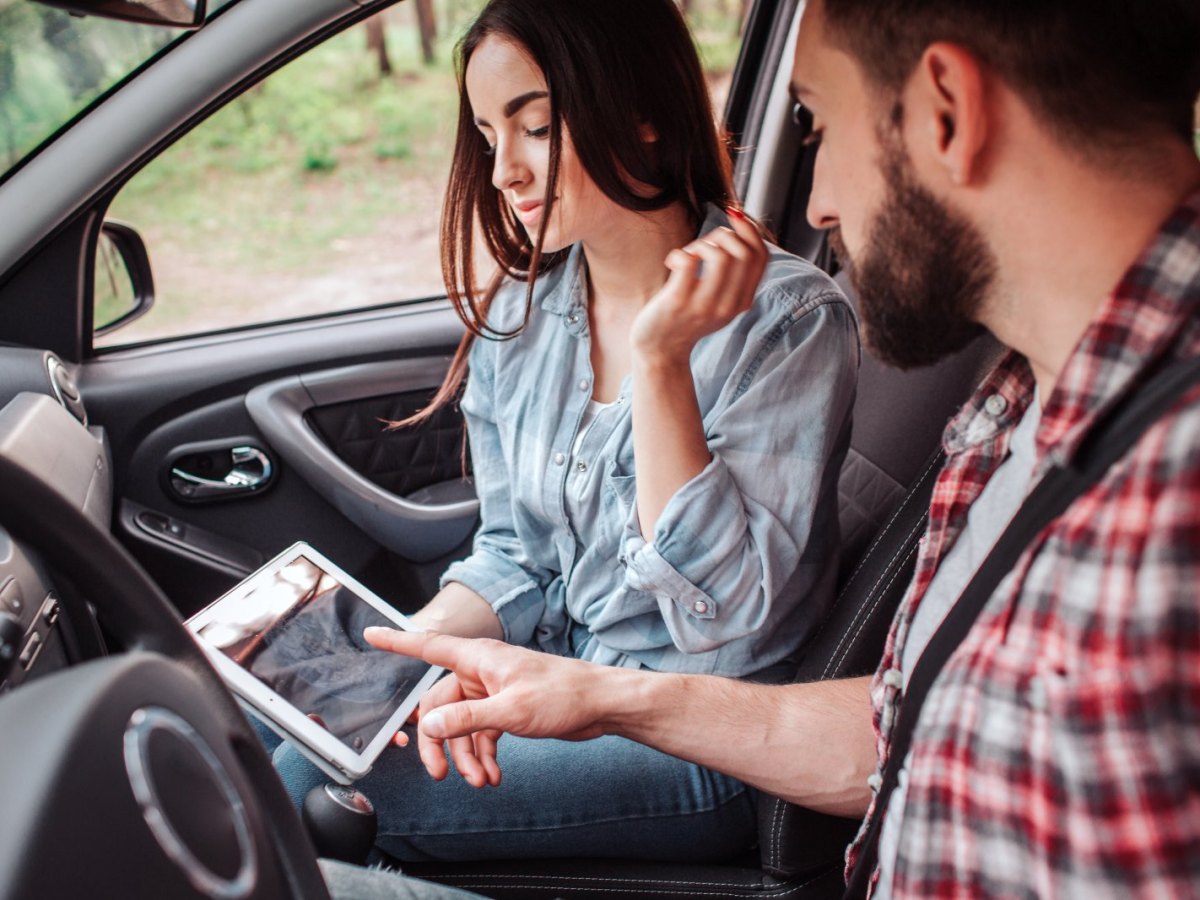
341 822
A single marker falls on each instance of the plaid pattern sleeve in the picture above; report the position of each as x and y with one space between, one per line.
1058 753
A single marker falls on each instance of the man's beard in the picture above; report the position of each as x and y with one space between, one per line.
923 275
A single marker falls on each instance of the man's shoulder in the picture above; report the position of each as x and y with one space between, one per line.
1144 515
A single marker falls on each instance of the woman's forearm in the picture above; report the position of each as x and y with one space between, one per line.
669 444
456 609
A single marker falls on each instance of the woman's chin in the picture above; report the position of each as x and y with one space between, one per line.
551 243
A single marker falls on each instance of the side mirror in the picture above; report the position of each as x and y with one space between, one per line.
176 13
122 286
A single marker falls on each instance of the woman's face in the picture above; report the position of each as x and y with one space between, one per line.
511 106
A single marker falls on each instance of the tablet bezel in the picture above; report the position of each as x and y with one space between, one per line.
336 758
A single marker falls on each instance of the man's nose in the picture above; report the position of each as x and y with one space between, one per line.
822 213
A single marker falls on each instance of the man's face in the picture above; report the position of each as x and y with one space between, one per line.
922 270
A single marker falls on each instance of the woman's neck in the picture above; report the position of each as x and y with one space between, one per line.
626 264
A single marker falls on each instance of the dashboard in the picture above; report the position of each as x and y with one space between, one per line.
45 622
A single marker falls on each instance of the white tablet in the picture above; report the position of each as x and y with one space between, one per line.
288 642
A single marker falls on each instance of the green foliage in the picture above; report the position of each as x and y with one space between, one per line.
318 151
717 39
300 170
52 65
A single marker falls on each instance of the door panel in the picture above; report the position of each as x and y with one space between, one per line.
419 527
158 402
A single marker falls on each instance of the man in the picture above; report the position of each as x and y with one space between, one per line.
1027 167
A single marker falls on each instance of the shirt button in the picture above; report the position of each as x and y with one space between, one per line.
572 319
875 782
995 405
700 607
584 385
559 459
581 466
893 678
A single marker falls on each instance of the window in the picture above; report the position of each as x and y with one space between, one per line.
320 189
54 65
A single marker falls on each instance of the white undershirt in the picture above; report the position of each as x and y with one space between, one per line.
987 518
573 496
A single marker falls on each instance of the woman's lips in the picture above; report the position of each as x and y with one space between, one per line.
528 213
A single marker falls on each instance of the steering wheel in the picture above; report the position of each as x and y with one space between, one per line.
135 775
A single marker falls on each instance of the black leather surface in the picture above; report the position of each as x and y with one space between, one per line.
607 880
793 839
400 461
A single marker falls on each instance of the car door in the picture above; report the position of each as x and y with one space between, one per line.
234 439
260 421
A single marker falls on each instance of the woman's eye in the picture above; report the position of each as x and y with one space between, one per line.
539 133
489 150
812 139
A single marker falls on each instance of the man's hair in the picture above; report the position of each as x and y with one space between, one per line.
1098 73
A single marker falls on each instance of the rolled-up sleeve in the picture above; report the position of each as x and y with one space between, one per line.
757 527
499 568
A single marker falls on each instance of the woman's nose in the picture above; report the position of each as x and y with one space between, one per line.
508 171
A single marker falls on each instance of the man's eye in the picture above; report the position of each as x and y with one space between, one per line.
812 139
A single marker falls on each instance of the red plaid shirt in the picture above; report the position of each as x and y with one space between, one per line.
1058 752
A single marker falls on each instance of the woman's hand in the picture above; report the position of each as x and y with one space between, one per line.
494 688
712 280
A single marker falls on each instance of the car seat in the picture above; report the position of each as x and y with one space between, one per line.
884 491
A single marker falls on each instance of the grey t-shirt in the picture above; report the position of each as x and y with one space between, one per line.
987 518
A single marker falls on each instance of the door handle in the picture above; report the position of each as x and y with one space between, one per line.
249 470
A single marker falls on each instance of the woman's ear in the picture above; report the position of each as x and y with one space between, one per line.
647 133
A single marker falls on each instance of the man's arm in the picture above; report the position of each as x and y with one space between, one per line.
812 744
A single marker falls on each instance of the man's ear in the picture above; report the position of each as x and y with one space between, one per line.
948 96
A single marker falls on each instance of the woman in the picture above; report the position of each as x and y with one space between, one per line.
656 444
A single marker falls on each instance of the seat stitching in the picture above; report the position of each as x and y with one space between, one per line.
541 881
776 827
879 597
838 656
848 639
644 892
781 806
879 537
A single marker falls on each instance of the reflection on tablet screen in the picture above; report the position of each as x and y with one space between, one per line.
301 635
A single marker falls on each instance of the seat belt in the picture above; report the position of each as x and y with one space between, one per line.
1117 431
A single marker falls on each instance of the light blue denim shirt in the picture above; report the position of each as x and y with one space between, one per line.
743 557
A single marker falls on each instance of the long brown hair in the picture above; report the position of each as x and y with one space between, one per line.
613 68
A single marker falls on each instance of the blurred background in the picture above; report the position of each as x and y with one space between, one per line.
320 189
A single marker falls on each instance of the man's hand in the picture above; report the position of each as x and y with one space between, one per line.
494 688
811 744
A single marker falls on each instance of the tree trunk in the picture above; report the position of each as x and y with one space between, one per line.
427 25
377 44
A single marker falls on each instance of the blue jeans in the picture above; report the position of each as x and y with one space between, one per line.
609 797
346 882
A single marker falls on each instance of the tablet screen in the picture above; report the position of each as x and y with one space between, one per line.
300 633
